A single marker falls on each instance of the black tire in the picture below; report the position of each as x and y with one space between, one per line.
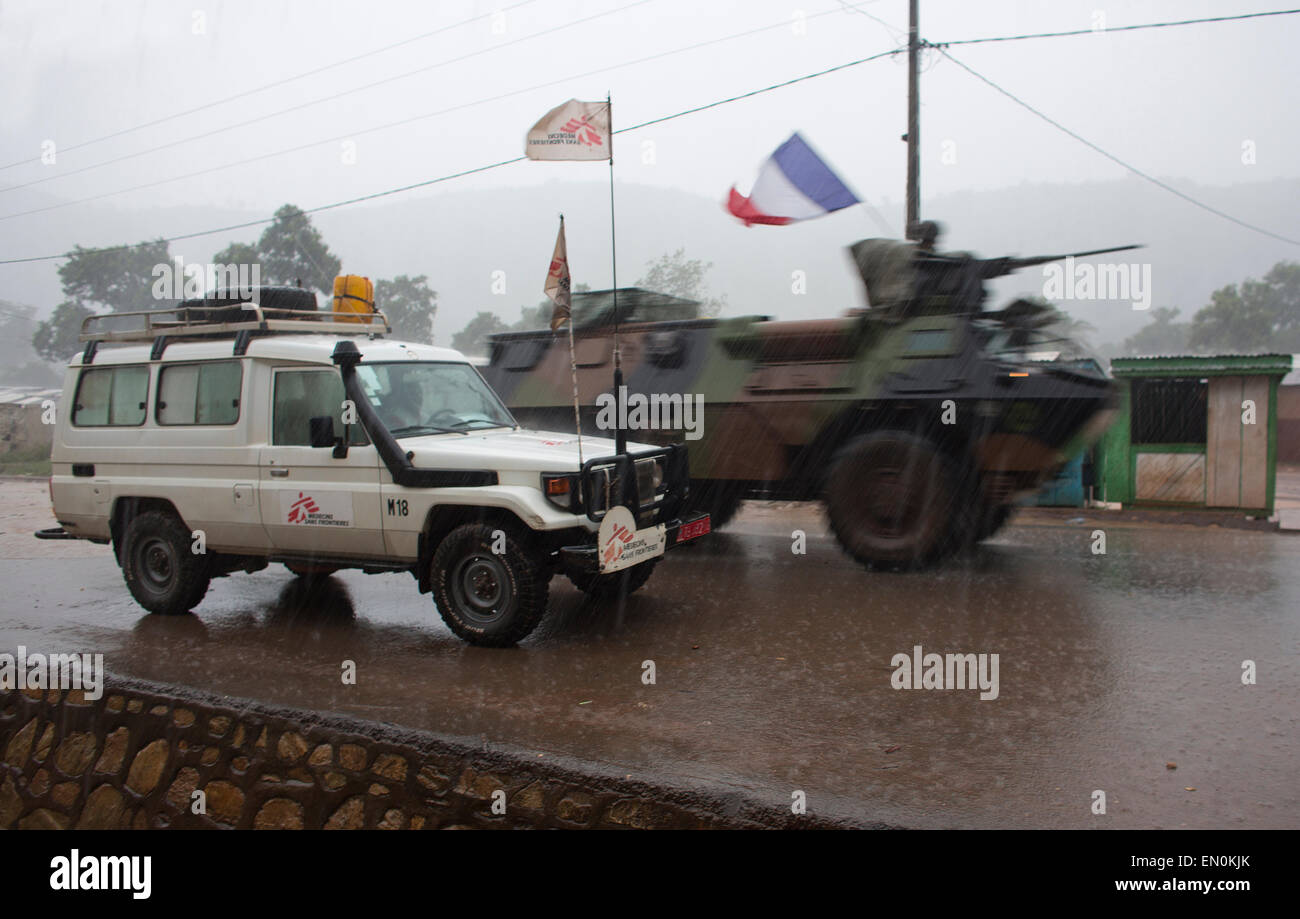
892 500
606 586
719 498
485 598
991 520
161 571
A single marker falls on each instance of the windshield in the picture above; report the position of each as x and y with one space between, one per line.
426 397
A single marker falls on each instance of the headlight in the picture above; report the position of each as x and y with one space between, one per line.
649 476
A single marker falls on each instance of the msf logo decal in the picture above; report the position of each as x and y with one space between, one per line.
316 509
299 510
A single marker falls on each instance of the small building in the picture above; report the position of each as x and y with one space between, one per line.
1193 432
23 417
1288 415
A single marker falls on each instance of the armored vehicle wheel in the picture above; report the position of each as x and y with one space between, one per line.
161 571
993 519
890 497
604 586
488 598
720 499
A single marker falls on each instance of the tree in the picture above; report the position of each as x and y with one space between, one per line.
120 278
1162 335
238 254
292 250
473 338
679 276
56 337
409 305
1258 316
19 364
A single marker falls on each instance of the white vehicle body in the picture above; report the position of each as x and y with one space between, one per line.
217 433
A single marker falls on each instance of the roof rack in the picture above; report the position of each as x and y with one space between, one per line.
238 320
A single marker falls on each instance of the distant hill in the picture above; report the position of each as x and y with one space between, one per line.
460 238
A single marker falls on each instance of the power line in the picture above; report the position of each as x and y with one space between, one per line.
277 83
456 175
1108 29
784 23
895 33
800 79
293 108
1116 159
847 7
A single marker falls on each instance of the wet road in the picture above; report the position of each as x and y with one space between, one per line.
773 670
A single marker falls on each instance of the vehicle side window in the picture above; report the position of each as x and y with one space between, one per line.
111 396
200 393
301 395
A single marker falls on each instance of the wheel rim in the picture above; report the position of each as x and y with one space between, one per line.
480 587
156 564
895 497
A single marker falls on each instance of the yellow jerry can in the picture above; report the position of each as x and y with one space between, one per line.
354 294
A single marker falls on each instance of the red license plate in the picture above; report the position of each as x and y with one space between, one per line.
693 529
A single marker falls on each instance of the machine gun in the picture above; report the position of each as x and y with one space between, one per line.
906 280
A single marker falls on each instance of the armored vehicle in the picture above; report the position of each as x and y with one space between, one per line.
223 435
918 420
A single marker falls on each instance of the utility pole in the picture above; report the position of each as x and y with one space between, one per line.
913 135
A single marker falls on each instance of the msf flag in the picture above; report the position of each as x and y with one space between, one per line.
794 184
573 131
557 281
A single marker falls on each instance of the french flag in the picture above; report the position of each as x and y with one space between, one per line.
794 184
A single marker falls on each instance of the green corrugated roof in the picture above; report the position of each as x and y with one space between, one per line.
1214 365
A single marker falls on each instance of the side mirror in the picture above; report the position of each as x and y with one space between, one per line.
321 431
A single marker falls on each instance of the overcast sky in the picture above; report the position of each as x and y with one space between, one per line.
1178 103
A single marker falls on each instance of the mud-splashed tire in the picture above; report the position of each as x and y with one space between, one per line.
160 568
891 498
488 598
719 499
992 519
607 586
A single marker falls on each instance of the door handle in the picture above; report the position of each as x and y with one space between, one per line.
280 473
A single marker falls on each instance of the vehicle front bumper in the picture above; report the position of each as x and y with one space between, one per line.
687 528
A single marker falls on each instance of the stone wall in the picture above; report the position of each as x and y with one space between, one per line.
134 758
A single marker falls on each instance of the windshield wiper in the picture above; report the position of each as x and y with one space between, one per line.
489 423
411 430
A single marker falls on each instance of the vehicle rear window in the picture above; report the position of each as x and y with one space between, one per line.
200 393
111 396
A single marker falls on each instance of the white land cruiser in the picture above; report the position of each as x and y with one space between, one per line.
223 435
